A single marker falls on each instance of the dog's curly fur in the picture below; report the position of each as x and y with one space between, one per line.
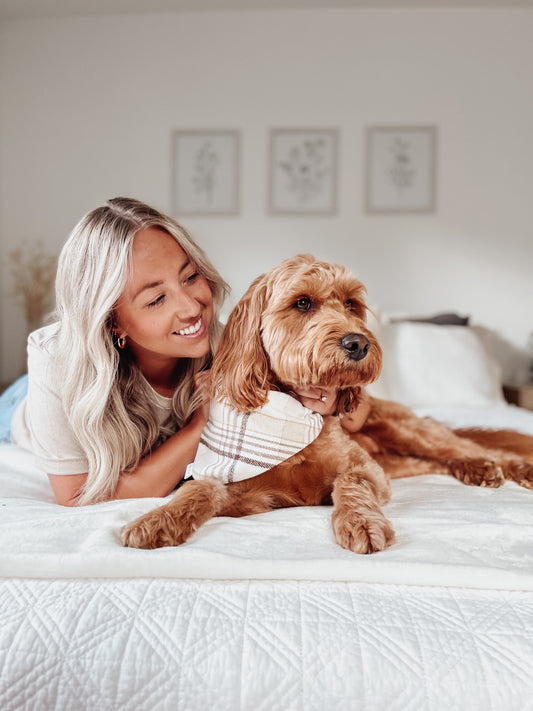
289 331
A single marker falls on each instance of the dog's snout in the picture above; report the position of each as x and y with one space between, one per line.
356 345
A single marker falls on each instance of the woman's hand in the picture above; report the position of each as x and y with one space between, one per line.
324 401
318 399
353 421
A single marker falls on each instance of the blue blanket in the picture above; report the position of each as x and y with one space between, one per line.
9 401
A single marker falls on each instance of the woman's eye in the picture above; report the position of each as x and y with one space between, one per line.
303 303
157 301
192 278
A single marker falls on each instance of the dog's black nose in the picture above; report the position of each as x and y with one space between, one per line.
356 345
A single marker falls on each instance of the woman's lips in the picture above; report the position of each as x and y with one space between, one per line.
193 330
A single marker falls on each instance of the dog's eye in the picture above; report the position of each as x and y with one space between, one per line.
303 303
349 304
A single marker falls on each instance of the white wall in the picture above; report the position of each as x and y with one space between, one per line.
88 106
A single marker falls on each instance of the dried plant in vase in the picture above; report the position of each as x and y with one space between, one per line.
32 272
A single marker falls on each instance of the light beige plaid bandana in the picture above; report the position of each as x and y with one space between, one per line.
236 445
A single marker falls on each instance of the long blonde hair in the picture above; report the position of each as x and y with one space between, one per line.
108 402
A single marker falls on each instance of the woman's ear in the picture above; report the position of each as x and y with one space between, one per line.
241 371
115 328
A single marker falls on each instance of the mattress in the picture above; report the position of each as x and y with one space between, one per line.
267 612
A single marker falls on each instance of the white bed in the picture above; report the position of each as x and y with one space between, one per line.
267 612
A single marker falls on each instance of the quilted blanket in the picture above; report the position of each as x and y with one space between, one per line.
447 534
170 645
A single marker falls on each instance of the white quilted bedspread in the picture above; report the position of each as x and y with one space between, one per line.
142 645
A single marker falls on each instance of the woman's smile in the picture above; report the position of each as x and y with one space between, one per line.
197 329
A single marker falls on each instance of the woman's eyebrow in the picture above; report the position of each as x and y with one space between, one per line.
145 287
153 284
185 265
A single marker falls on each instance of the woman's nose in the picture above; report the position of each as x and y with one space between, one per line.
186 306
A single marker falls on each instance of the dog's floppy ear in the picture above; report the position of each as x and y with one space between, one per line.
241 370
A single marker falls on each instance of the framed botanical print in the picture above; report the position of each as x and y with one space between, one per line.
205 172
303 171
401 169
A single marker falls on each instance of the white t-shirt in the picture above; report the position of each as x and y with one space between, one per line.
40 423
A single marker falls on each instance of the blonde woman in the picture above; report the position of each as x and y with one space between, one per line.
115 403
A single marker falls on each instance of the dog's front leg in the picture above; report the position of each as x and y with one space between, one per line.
357 519
198 501
335 468
172 524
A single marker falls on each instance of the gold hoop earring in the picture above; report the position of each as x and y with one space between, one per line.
121 342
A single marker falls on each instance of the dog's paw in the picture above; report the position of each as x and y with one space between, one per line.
156 529
477 472
520 472
367 533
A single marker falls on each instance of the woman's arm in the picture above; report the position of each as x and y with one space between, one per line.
157 474
162 470
67 487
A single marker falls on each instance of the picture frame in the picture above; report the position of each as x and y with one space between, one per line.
205 169
401 169
303 171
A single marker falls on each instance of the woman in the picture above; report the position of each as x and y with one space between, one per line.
115 403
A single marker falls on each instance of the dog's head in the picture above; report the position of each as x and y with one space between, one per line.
301 324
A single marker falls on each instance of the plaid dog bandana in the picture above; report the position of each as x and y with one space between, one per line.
236 445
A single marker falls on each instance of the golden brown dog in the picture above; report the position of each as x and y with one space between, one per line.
304 324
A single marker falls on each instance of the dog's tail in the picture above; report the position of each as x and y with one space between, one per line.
503 440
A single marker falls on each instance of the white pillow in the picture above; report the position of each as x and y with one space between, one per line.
424 364
373 321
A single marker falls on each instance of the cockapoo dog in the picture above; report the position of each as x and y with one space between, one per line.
303 325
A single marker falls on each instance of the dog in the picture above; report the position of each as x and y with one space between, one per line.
304 324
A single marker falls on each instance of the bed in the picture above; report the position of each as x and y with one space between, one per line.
267 612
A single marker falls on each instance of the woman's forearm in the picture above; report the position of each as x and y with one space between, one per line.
160 472
157 474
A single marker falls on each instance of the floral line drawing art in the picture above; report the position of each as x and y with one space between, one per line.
303 167
204 170
306 169
401 169
402 172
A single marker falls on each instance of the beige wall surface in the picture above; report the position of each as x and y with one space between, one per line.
88 106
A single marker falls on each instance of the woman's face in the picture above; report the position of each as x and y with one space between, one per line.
167 306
